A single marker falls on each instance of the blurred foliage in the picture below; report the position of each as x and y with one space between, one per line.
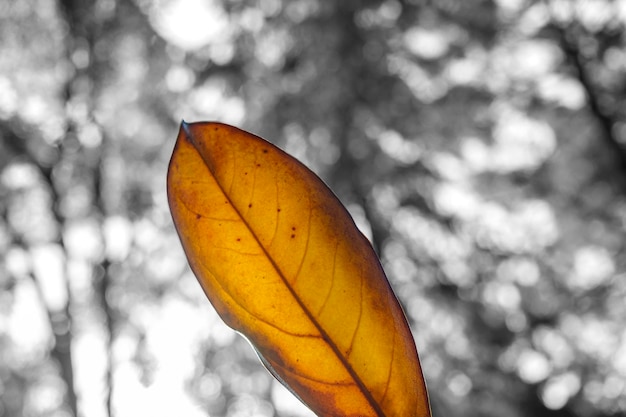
480 144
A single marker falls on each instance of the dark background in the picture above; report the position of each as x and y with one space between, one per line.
481 145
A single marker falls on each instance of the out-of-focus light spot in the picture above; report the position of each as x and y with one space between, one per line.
383 16
295 141
124 346
516 321
252 19
19 175
17 262
511 6
564 91
534 17
459 272
130 61
48 267
397 147
299 10
8 98
210 386
593 266
594 14
77 202
459 384
530 228
475 154
456 200
553 343
533 366
179 79
433 365
271 7
504 295
386 198
428 238
593 336
613 386
45 397
423 86
34 109
456 344
146 235
118 236
465 71
80 274
91 360
593 391
80 58
401 269
212 101
615 58
90 135
29 215
521 143
249 406
78 109
190 24
271 48
448 166
286 403
27 326
329 151
530 60
426 44
83 240
162 268
619 357
620 10
222 52
523 271
562 10
559 389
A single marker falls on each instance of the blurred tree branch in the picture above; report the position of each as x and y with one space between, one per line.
569 40
86 25
60 321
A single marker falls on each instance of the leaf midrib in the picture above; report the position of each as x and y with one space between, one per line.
366 393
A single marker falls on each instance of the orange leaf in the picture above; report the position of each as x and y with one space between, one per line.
282 262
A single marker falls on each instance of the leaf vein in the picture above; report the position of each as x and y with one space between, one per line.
306 245
332 281
309 378
358 321
240 305
323 334
393 351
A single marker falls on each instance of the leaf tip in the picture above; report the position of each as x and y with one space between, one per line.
184 126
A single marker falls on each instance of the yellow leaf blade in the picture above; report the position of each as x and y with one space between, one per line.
282 262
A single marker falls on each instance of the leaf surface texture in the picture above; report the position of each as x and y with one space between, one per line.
283 263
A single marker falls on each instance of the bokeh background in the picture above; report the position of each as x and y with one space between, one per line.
479 144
